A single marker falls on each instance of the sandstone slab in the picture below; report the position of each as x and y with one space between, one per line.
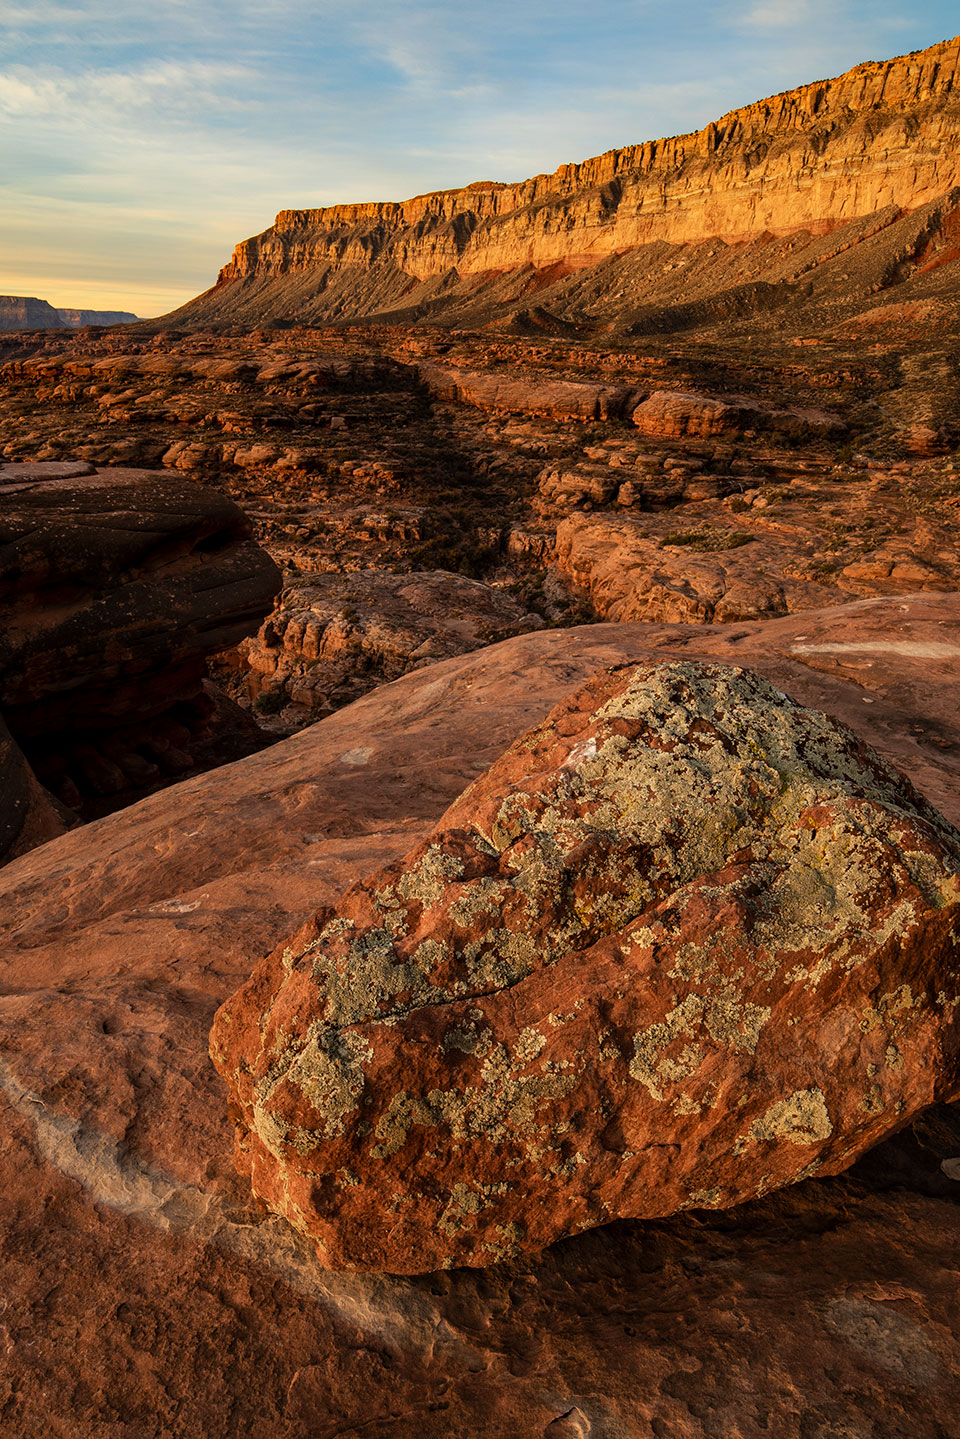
531 394
148 1295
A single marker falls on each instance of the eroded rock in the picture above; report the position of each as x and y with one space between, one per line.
333 637
683 944
115 586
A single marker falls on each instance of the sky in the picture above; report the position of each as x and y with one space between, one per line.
140 141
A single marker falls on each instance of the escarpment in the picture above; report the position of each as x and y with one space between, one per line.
878 143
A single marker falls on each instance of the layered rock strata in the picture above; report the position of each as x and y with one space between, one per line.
878 141
684 944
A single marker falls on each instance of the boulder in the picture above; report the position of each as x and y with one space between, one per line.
671 414
685 943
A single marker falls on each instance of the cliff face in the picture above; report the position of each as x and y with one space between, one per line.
883 135
23 312
76 318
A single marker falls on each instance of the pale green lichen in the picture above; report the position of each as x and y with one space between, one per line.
801 1118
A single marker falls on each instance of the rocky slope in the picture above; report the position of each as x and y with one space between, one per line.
747 209
146 1295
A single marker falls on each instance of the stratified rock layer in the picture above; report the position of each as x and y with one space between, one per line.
866 147
685 943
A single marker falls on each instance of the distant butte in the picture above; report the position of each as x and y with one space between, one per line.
25 312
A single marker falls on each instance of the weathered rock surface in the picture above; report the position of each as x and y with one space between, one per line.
333 637
754 555
530 395
115 585
683 944
145 1294
671 415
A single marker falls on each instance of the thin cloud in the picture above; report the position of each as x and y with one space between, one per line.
146 139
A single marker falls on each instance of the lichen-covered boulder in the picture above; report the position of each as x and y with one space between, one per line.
684 943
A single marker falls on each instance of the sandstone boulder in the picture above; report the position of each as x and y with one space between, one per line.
146 1295
683 944
669 414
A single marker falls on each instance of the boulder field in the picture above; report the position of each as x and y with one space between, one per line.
147 1293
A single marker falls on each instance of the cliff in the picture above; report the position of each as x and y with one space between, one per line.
884 138
76 318
21 312
24 312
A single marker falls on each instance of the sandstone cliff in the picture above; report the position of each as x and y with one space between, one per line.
76 318
881 141
24 312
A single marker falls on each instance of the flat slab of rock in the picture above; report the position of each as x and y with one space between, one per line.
529 394
14 475
188 1310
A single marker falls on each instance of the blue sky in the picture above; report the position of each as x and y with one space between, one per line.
139 142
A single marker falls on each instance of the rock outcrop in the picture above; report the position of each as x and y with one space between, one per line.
859 152
683 944
115 586
22 312
333 637
665 415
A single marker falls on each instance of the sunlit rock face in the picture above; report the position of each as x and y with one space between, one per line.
862 149
685 943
